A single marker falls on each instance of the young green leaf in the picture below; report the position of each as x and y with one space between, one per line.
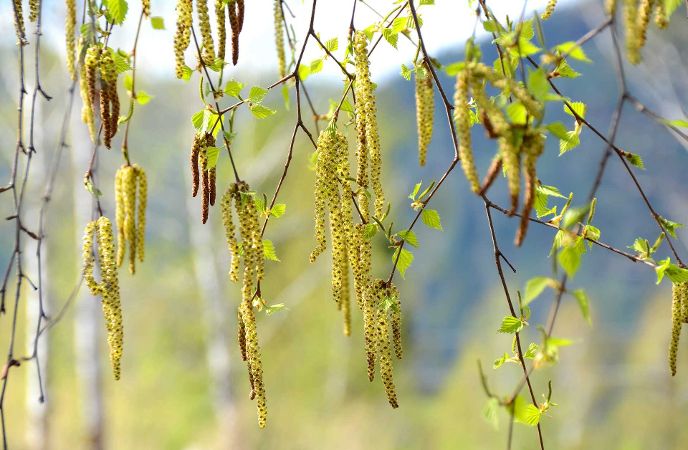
269 250
431 218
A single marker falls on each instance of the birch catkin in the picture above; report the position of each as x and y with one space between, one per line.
279 38
549 9
425 110
70 42
463 128
533 146
130 213
19 20
108 287
221 20
678 294
182 36
208 50
201 174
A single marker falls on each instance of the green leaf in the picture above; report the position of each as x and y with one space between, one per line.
558 129
431 218
197 119
571 141
669 225
409 236
332 44
680 123
277 307
570 257
260 111
186 73
143 97
390 36
405 260
526 413
405 72
278 210
369 231
257 94
634 160
304 71
427 2
158 23
128 82
535 286
269 250
400 24
538 84
517 113
316 66
671 6
490 412
233 88
115 10
578 107
573 50
121 62
510 325
564 70
212 153
583 304
677 274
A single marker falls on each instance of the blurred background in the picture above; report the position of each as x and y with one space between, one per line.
184 385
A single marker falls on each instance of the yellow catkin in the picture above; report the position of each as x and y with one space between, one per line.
345 301
279 38
34 10
221 21
533 145
70 41
610 7
324 168
676 323
91 62
19 21
425 110
89 260
661 19
254 361
129 191
549 9
370 312
112 308
632 39
141 203
367 110
182 36
683 295
145 6
120 215
208 49
511 159
395 313
232 244
385 356
463 129
643 20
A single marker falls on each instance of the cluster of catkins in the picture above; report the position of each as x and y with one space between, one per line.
206 177
518 144
679 316
131 189
108 287
249 251
99 86
425 110
351 248
279 38
234 9
637 14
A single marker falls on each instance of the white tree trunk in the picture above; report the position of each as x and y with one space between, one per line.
88 328
209 278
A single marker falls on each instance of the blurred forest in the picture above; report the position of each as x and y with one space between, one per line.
183 384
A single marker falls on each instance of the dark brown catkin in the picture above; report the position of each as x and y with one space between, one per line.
240 13
205 186
236 29
195 151
533 147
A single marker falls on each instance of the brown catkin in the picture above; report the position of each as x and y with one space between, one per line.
208 49
195 151
91 63
70 41
241 337
19 21
112 307
385 356
212 184
240 13
182 36
676 323
533 147
142 203
367 110
205 185
549 9
425 110
491 175
279 38
463 128
221 20
235 26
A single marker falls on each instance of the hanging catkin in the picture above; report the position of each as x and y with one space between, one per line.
203 175
463 128
221 20
236 22
19 21
208 46
145 6
70 42
108 287
533 146
661 19
679 294
89 94
630 12
279 38
549 9
425 110
182 36
643 20
366 113
130 213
